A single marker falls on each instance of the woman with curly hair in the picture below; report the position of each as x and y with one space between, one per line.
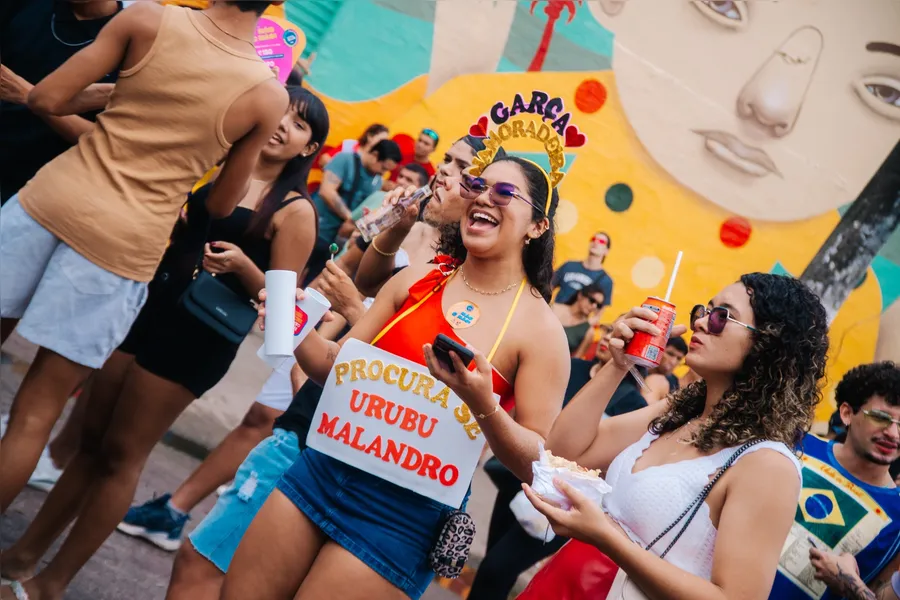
704 485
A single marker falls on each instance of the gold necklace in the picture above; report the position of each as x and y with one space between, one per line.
482 292
231 35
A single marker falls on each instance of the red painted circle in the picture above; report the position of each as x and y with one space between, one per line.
590 96
735 232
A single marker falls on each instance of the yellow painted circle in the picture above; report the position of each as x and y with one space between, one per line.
647 272
566 216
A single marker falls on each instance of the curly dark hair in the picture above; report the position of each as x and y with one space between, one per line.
862 382
537 256
775 393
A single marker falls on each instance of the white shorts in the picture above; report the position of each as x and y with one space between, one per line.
277 391
66 303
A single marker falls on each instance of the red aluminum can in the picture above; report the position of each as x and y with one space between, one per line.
644 349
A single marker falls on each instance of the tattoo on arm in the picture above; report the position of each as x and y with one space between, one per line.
853 588
332 353
339 207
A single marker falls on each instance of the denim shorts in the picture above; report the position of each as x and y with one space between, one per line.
66 303
390 529
217 537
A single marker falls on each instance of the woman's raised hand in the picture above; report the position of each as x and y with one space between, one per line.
261 308
475 387
636 319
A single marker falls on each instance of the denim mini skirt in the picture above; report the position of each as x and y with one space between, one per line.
390 529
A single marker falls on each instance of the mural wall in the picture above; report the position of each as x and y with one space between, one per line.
734 131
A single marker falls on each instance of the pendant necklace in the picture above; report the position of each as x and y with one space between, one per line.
465 314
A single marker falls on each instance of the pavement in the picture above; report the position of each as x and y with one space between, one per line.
125 567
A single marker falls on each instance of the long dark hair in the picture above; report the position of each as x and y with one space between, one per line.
537 256
775 393
295 173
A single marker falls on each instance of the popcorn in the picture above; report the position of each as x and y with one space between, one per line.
549 467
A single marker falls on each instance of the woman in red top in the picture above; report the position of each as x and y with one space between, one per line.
334 531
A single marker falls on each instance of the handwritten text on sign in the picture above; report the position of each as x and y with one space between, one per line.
389 417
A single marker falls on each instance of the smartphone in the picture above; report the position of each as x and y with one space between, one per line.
442 347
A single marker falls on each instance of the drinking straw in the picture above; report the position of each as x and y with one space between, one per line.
674 273
632 368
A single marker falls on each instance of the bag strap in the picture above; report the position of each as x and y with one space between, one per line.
694 507
357 180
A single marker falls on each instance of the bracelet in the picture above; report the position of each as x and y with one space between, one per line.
490 414
379 251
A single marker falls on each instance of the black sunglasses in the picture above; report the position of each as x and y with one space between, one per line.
718 318
594 302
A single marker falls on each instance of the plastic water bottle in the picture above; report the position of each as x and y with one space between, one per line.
385 217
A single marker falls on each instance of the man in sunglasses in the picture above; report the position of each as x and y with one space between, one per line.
574 275
849 504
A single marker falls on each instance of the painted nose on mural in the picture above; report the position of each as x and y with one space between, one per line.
774 95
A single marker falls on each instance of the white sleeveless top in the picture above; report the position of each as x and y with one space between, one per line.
644 504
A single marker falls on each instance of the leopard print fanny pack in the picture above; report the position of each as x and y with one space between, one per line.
450 552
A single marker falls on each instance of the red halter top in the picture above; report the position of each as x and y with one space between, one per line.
421 319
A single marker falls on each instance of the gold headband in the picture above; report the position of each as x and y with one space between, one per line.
522 128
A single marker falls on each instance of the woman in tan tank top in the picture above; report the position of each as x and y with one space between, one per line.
170 357
91 226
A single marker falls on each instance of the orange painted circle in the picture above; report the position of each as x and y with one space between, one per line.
735 232
590 96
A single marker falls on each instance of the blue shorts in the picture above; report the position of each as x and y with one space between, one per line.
217 537
389 528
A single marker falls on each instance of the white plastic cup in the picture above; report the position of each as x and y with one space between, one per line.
307 314
281 295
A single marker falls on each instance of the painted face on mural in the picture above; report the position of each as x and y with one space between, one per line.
772 110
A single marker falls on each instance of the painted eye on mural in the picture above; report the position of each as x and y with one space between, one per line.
880 93
729 13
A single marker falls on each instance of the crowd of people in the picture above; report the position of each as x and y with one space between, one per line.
143 192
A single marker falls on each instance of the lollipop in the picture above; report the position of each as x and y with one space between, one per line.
333 248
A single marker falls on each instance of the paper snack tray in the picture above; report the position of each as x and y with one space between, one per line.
549 467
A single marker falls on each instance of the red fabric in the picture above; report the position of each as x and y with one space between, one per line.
422 325
578 572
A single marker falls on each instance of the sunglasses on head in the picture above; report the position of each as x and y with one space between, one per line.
431 133
718 318
881 418
501 193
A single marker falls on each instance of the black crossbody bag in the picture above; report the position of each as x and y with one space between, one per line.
217 306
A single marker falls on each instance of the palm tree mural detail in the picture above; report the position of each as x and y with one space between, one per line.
553 9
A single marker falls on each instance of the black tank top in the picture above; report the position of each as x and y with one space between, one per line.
185 252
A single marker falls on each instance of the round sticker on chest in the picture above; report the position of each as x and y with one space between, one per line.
463 315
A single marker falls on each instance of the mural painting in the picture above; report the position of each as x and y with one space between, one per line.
734 131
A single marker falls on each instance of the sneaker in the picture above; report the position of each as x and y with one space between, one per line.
155 522
45 474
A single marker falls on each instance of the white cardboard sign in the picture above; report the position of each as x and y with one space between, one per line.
389 417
